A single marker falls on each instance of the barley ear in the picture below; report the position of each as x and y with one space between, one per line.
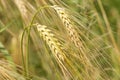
73 34
53 44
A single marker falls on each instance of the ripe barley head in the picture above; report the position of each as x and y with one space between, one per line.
53 44
73 34
21 6
50 40
69 27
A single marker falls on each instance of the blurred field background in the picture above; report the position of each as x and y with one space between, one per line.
85 45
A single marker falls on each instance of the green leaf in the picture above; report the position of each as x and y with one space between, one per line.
5 27
5 52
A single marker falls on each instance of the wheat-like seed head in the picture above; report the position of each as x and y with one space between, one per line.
74 37
7 72
54 47
69 27
50 40
4 75
21 6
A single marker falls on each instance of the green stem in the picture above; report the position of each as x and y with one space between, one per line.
22 52
26 62
108 26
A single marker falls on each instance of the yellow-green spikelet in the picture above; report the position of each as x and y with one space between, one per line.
54 47
74 36
50 40
68 24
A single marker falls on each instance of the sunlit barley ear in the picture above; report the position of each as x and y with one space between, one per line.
73 34
53 44
7 72
69 26
50 40
21 6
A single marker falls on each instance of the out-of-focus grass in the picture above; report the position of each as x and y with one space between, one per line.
96 21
